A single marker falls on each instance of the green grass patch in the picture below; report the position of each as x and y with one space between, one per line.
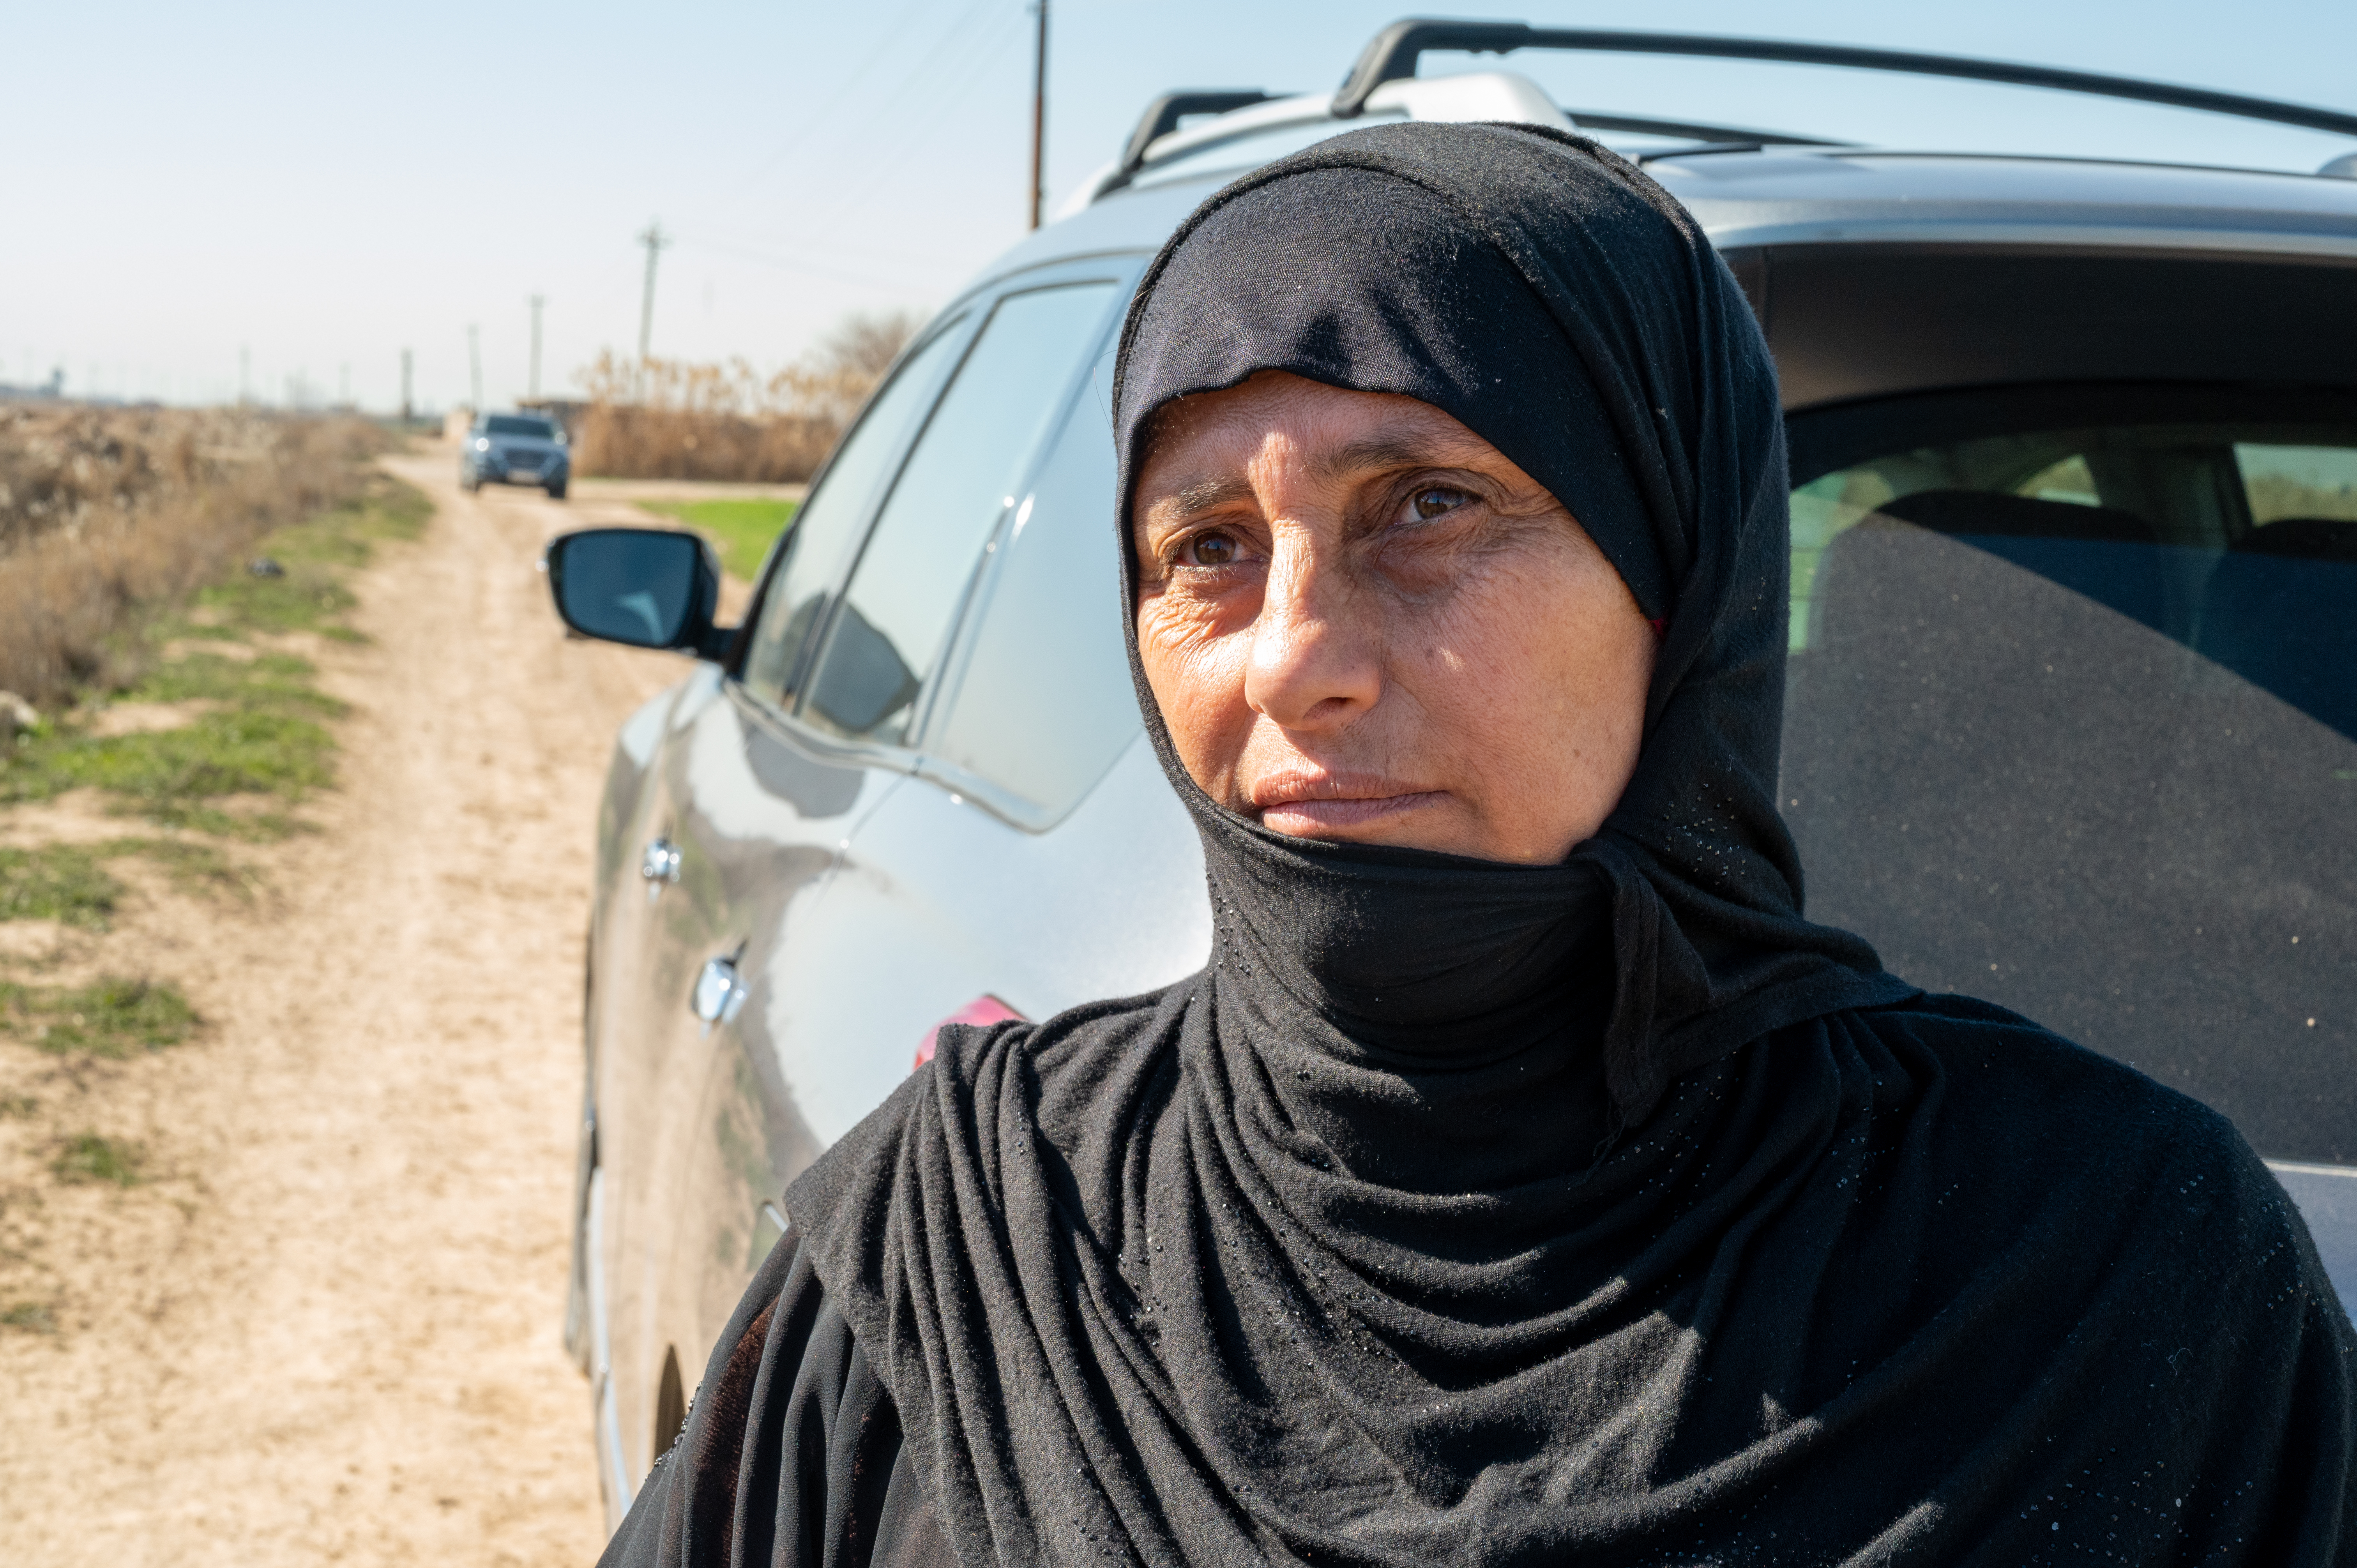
17 1107
238 752
88 1157
313 556
29 1317
305 599
258 725
269 683
56 882
741 530
193 867
112 1017
259 734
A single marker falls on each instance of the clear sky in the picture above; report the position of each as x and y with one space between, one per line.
319 185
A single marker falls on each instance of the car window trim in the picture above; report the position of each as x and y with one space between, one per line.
959 316
982 578
804 660
920 710
816 744
973 310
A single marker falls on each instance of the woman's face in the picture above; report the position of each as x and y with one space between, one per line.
1363 622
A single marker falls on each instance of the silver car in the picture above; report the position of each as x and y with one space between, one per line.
515 449
2073 564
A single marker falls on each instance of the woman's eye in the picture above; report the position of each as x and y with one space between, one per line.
1435 501
1210 549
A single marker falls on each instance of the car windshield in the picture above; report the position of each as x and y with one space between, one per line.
2071 724
519 425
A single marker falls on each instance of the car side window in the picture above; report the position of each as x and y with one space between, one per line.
961 478
1045 703
829 521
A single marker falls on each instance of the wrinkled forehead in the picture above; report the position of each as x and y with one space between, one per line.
1362 279
1349 427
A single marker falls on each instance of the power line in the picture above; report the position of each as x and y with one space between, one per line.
823 115
918 141
869 279
950 52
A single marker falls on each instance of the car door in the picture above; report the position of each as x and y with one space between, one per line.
766 780
833 1021
1039 859
736 832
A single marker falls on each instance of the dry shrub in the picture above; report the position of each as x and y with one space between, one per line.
671 420
106 511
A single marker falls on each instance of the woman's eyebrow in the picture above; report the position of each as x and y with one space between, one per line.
1381 452
1203 495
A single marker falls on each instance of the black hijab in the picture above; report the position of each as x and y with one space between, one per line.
1465 1213
1566 308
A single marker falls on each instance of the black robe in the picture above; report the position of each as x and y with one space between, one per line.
1992 1299
1465 1213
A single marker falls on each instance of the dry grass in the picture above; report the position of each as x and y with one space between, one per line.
105 514
245 740
671 420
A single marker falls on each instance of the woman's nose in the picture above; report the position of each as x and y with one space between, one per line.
1315 660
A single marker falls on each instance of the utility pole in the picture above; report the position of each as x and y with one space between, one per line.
537 301
1040 114
344 385
244 375
475 364
405 414
654 240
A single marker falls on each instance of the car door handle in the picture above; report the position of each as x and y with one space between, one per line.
659 865
719 992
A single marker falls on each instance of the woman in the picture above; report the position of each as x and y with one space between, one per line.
1522 1180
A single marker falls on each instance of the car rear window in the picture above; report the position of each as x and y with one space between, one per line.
2071 724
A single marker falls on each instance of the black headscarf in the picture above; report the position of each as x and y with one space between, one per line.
1466 1213
1566 308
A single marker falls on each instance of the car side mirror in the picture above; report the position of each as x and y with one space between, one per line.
643 587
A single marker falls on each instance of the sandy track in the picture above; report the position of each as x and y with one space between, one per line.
328 1329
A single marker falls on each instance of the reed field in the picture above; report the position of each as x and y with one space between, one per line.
672 420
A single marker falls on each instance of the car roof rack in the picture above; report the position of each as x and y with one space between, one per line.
1162 117
1391 56
1687 130
1163 114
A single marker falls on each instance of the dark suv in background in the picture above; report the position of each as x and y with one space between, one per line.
515 449
2072 714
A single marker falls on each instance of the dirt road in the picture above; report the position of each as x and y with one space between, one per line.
325 1329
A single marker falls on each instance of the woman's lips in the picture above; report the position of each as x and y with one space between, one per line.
1306 804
